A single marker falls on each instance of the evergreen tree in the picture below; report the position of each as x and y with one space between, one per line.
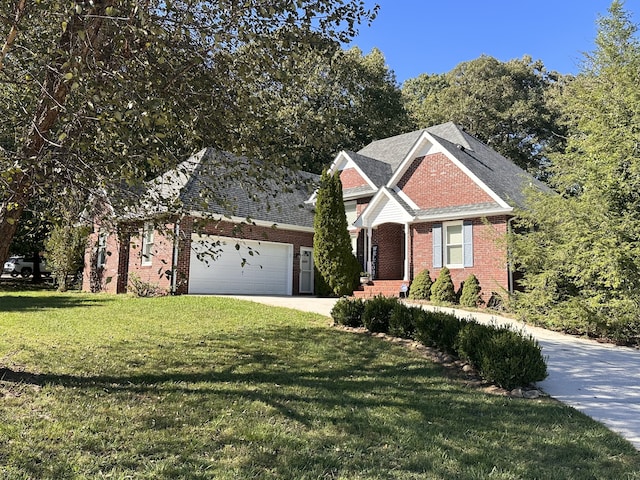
442 290
470 296
332 255
581 253
421 286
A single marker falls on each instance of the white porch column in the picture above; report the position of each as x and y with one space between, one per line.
368 249
407 246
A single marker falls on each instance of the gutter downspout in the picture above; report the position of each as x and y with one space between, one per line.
509 265
174 261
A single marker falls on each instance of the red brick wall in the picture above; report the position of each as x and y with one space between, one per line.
489 255
389 238
108 278
435 181
126 256
350 178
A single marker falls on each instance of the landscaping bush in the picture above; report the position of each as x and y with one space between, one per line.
401 321
471 342
470 296
377 313
142 288
442 290
348 312
510 359
421 286
438 329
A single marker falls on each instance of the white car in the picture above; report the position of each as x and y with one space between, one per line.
20 266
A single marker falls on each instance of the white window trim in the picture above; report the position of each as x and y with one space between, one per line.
147 244
101 260
445 245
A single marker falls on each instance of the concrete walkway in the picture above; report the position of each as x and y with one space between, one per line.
600 380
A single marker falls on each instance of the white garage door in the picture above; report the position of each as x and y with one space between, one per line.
268 271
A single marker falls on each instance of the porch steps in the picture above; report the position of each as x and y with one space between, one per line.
388 288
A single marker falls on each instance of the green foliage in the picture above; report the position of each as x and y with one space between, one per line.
402 322
143 288
471 292
472 340
65 249
348 100
509 105
511 359
438 329
377 313
332 252
143 86
579 250
421 286
348 312
442 290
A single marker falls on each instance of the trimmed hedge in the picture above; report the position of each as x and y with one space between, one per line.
442 290
471 292
348 312
377 313
503 356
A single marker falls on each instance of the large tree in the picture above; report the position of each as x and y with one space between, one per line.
504 104
581 255
328 100
98 94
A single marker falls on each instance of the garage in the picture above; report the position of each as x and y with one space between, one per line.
240 266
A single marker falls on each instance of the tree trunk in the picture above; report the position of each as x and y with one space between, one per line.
54 95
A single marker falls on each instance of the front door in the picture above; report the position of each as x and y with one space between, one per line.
306 270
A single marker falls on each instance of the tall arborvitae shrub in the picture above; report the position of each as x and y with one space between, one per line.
471 292
442 290
421 286
332 252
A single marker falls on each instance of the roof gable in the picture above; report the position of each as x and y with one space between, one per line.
498 176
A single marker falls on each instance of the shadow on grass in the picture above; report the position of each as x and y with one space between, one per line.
26 303
316 403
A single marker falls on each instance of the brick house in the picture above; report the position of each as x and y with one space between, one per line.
427 199
208 226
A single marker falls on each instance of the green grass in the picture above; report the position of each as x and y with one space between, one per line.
99 386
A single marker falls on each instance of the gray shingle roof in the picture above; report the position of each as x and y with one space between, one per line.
377 171
219 183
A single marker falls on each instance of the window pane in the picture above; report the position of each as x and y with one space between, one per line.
454 255
454 235
350 211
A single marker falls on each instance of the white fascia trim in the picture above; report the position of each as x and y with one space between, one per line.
444 217
411 156
349 161
258 223
361 220
355 196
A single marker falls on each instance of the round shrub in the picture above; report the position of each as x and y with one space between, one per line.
511 360
442 290
377 313
401 321
421 286
348 312
471 296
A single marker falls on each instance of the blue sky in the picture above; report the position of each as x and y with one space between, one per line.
433 36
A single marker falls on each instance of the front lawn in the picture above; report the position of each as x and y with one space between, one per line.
98 386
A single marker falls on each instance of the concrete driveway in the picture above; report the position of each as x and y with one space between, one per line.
600 380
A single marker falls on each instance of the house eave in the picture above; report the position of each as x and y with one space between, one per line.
252 221
443 217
